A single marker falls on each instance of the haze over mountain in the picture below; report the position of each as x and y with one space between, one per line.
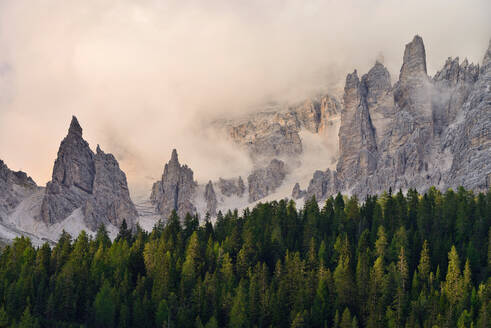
416 133
217 107
145 77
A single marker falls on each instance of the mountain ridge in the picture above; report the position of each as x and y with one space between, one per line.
417 132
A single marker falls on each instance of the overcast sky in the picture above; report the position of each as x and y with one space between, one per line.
143 76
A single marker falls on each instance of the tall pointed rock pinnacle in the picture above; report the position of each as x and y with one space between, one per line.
175 190
414 60
174 157
75 128
91 182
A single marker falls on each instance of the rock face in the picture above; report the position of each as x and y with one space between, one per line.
110 199
322 185
357 144
211 199
14 186
92 182
275 132
72 179
229 187
175 190
470 138
297 193
264 181
418 133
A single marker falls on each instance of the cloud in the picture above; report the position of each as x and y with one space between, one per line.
144 77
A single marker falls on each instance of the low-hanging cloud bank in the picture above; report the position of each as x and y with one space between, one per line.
143 76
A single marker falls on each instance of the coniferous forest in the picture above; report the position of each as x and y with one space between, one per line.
389 261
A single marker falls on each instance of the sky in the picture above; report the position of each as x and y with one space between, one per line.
144 77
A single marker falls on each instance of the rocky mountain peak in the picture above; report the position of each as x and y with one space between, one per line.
175 190
173 157
14 186
74 165
211 199
92 182
452 72
75 128
414 60
352 81
377 78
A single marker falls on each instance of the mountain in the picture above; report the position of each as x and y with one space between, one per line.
15 186
175 190
91 182
86 190
417 133
275 131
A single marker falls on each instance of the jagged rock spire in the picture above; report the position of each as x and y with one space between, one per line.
175 190
377 78
414 60
211 199
91 182
75 128
174 158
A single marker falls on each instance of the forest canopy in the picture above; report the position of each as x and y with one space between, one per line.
393 260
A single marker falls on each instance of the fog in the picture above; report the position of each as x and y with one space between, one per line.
144 77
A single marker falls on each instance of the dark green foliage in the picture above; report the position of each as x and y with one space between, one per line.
392 261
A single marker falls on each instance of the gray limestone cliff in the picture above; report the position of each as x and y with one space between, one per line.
322 185
418 133
175 190
229 187
297 193
276 131
72 178
110 201
264 181
14 187
211 199
470 138
92 182
357 144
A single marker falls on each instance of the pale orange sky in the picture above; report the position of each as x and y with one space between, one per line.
143 76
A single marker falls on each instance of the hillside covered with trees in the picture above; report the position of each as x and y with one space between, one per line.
390 261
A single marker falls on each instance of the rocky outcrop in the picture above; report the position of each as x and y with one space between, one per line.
72 179
470 139
264 181
175 190
92 182
276 132
230 187
357 144
267 134
317 114
453 84
297 193
379 99
211 199
110 200
418 133
322 185
14 187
